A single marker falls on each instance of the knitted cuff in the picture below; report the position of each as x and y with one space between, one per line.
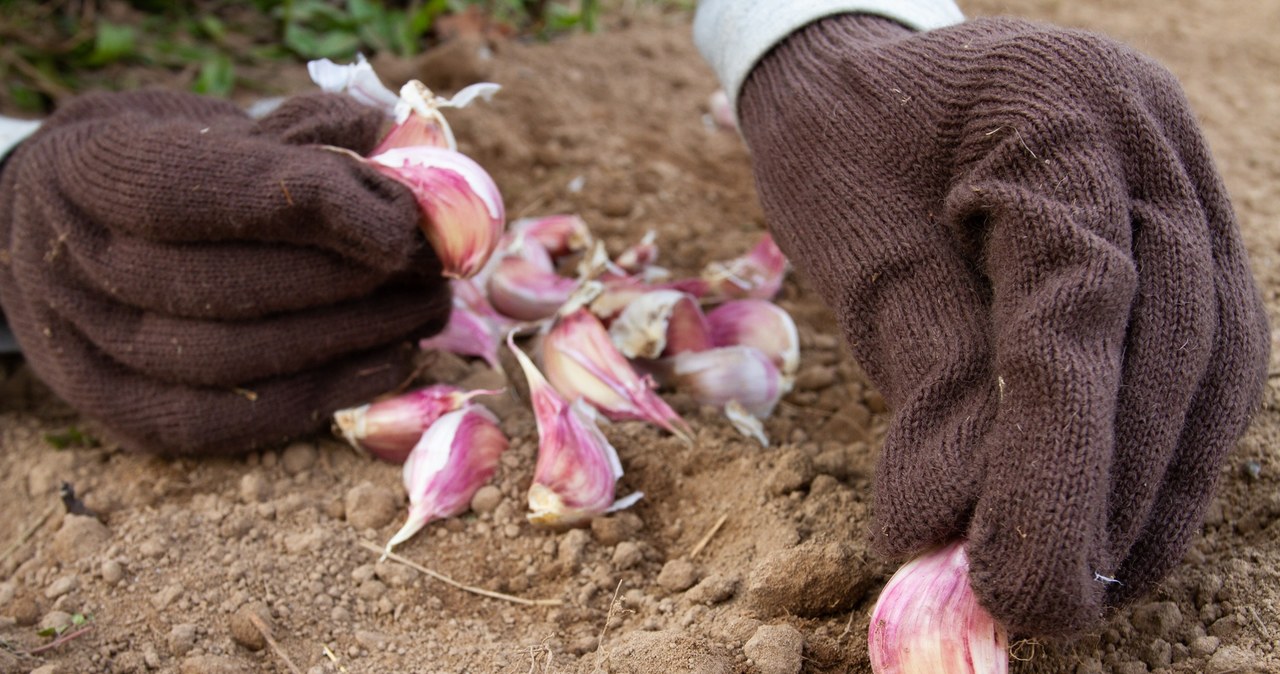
733 35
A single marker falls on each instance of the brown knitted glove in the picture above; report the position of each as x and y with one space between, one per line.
1023 236
201 282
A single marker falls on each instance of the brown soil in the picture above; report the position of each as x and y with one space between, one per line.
190 549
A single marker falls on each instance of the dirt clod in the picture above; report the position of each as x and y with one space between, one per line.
370 507
211 664
614 529
242 627
182 638
809 580
776 649
678 575
80 536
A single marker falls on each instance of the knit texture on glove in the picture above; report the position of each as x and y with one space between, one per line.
200 282
1024 238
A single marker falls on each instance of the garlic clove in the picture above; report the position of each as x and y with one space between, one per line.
928 620
729 373
454 458
761 324
638 258
578 469
581 360
524 290
758 274
389 428
462 210
475 328
558 234
419 120
660 322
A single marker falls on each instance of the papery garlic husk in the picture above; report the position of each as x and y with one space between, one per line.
758 274
761 324
357 80
462 210
558 234
454 458
730 373
524 290
389 428
660 322
639 257
578 469
745 422
927 620
419 120
474 327
580 359
620 291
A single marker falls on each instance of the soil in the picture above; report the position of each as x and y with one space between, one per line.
185 555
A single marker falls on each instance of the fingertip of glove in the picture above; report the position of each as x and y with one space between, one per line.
325 119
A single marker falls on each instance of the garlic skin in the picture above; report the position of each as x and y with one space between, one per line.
524 289
454 458
390 428
577 470
639 257
474 328
463 214
758 274
761 324
580 360
928 621
717 376
660 322
357 80
419 120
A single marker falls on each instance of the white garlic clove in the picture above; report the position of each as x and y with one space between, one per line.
660 322
758 274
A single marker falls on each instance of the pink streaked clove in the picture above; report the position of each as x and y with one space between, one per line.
525 290
580 360
639 257
620 291
558 234
761 324
660 322
578 469
462 210
927 620
758 274
389 428
454 458
474 327
419 120
729 373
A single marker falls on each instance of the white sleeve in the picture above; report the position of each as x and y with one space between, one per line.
14 131
734 34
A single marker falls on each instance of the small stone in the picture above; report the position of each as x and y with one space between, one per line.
1158 619
166 596
395 575
793 471
486 499
306 541
815 378
571 549
840 460
153 547
243 629
370 507
80 536
25 610
714 589
7 592
371 590
1130 667
627 554
776 649
182 638
1235 660
1205 646
678 575
61 586
616 528
55 620
298 458
112 571
1159 654
150 656
46 669
374 641
210 664
254 488
809 580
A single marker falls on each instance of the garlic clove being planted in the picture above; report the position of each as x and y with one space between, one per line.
660 322
462 210
454 458
577 471
581 360
761 324
927 620
758 274
390 428
419 120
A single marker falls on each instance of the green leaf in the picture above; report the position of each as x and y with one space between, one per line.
71 437
212 27
111 43
48 632
217 76
311 44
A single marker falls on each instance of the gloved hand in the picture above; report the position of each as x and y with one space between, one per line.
1024 238
200 282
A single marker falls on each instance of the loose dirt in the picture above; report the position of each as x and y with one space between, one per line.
190 558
